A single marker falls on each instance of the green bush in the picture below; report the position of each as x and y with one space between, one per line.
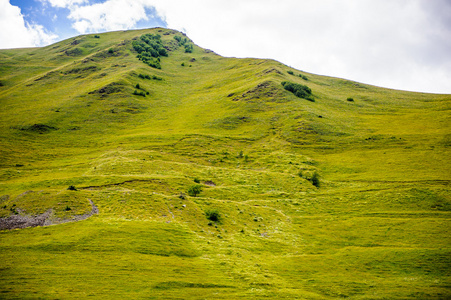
303 77
312 177
290 72
194 190
301 91
315 180
145 76
180 40
72 188
139 93
213 215
189 48
350 99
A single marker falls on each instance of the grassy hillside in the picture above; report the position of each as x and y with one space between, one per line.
344 193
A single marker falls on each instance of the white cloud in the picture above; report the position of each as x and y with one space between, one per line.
65 3
110 15
15 32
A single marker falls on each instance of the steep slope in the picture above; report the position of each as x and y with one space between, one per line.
344 193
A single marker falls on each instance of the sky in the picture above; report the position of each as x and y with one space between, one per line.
399 44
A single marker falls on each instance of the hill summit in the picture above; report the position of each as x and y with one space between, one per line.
169 171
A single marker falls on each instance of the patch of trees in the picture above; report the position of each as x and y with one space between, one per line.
300 90
150 48
185 43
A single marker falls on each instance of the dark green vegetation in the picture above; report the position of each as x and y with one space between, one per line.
300 90
150 48
299 200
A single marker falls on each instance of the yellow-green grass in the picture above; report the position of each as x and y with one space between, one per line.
377 227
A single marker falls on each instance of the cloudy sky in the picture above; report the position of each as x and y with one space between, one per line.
401 44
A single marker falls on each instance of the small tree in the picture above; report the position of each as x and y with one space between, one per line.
194 190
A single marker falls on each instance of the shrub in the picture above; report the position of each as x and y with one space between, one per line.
180 40
350 99
315 180
189 48
213 215
139 93
303 77
290 72
194 190
111 51
137 86
72 188
312 177
97 37
196 180
67 208
301 91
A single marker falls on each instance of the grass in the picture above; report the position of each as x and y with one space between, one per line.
375 228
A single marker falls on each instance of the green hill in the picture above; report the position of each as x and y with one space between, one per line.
183 174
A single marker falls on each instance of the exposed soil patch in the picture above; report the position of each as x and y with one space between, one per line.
109 89
265 91
45 219
18 221
75 42
271 70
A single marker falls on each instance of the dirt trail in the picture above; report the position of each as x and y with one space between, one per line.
45 219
